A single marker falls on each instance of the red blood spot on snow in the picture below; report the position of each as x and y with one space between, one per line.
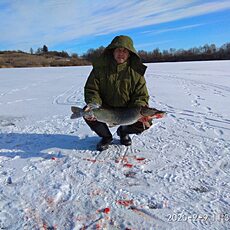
121 160
98 226
54 158
140 158
91 160
128 165
106 210
125 203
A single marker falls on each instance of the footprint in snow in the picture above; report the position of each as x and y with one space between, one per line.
218 132
208 109
201 189
195 103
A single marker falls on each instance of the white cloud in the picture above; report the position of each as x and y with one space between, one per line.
172 29
27 23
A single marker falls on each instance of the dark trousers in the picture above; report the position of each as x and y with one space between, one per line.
102 130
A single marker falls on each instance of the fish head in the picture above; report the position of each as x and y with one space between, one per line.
151 112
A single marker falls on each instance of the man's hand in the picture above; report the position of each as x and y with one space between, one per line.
89 117
145 121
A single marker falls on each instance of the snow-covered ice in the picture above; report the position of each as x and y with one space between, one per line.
176 175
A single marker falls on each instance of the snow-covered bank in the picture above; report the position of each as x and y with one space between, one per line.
175 175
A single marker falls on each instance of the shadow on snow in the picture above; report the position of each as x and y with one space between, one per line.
42 145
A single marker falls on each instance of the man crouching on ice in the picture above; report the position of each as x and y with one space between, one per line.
117 81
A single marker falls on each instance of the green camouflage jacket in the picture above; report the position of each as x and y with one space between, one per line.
114 85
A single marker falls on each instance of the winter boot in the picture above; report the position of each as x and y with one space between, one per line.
103 144
102 130
124 137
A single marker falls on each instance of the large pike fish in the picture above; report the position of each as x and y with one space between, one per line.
118 116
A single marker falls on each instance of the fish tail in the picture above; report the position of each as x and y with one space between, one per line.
77 112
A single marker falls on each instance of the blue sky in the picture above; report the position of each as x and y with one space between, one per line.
78 25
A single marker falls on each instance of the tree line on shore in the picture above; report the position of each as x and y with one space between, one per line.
205 52
202 53
44 57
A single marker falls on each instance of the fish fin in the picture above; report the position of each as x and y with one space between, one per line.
112 125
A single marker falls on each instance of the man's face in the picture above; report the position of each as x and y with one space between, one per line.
121 55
